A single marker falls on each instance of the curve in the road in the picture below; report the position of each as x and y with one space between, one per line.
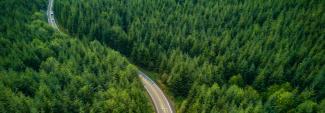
159 99
50 15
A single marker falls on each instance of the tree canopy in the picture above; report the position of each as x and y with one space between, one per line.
273 49
43 71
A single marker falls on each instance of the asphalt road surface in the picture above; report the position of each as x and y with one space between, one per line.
160 101
158 98
50 15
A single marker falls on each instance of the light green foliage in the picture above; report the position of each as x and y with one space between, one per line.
307 107
250 56
236 80
259 46
42 71
321 106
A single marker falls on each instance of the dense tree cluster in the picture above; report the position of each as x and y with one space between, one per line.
42 71
216 55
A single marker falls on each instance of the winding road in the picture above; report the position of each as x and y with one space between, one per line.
50 15
158 98
160 101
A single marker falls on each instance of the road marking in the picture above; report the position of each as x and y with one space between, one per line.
148 85
51 19
165 98
153 90
160 96
157 89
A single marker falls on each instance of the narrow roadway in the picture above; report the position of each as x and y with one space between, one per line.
158 98
50 15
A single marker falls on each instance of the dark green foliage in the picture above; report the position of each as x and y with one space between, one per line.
260 46
46 72
215 55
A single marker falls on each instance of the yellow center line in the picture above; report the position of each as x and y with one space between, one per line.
159 99
162 107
